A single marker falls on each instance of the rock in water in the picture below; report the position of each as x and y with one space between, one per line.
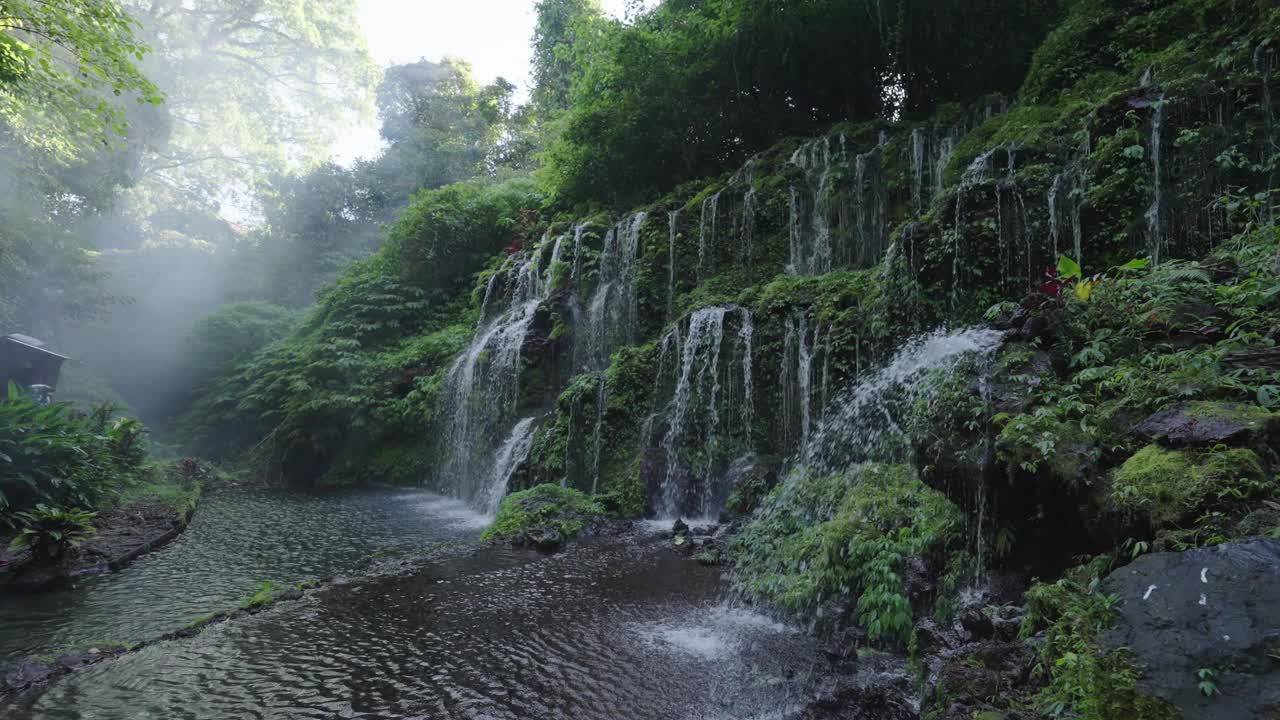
1214 608
1208 423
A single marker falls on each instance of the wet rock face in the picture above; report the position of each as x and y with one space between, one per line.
1216 609
1198 424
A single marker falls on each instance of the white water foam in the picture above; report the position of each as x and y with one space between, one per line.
452 512
712 633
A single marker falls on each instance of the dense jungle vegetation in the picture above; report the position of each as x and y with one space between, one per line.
707 221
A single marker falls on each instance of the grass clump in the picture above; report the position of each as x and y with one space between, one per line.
561 509
821 538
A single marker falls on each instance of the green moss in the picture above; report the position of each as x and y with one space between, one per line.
562 509
818 539
1250 416
1171 486
204 620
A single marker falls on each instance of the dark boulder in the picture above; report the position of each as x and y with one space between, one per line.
542 538
1197 424
1214 609
880 689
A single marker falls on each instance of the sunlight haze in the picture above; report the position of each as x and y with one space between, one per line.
492 35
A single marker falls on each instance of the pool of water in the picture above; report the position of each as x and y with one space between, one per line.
612 628
237 540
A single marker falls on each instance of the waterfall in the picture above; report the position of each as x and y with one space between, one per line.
1264 62
710 410
974 175
809 220
1155 231
919 147
612 313
839 214
488 295
673 220
1066 195
602 399
514 451
798 351
707 231
930 153
870 210
865 421
577 257
482 385
747 229
1012 226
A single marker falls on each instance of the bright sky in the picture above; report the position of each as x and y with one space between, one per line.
493 35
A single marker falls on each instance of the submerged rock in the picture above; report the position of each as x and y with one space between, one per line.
1213 609
1195 424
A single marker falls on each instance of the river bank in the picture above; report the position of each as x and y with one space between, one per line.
145 518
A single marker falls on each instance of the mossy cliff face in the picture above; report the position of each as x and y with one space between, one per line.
1143 130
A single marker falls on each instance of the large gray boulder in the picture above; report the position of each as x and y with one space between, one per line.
1214 608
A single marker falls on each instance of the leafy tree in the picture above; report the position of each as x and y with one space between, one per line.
62 64
440 126
688 89
554 36
254 87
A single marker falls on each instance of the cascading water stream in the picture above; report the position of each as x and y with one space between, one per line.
710 410
1155 214
513 452
482 387
611 315
865 422
673 221
707 231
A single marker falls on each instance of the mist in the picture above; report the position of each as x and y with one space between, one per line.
160 257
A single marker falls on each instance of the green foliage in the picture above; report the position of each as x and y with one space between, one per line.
233 333
672 96
562 509
62 63
1083 679
49 532
53 454
268 593
819 539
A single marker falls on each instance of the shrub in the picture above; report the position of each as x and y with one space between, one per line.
52 454
50 532
820 539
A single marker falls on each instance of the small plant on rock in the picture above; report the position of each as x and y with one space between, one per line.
49 532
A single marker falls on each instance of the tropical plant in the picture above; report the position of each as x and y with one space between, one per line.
53 454
48 532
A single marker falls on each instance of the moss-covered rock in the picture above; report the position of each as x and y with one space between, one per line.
823 539
1202 423
544 516
1170 487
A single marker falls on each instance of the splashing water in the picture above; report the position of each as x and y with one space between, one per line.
509 457
864 422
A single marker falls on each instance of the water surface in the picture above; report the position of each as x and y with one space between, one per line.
612 628
237 540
